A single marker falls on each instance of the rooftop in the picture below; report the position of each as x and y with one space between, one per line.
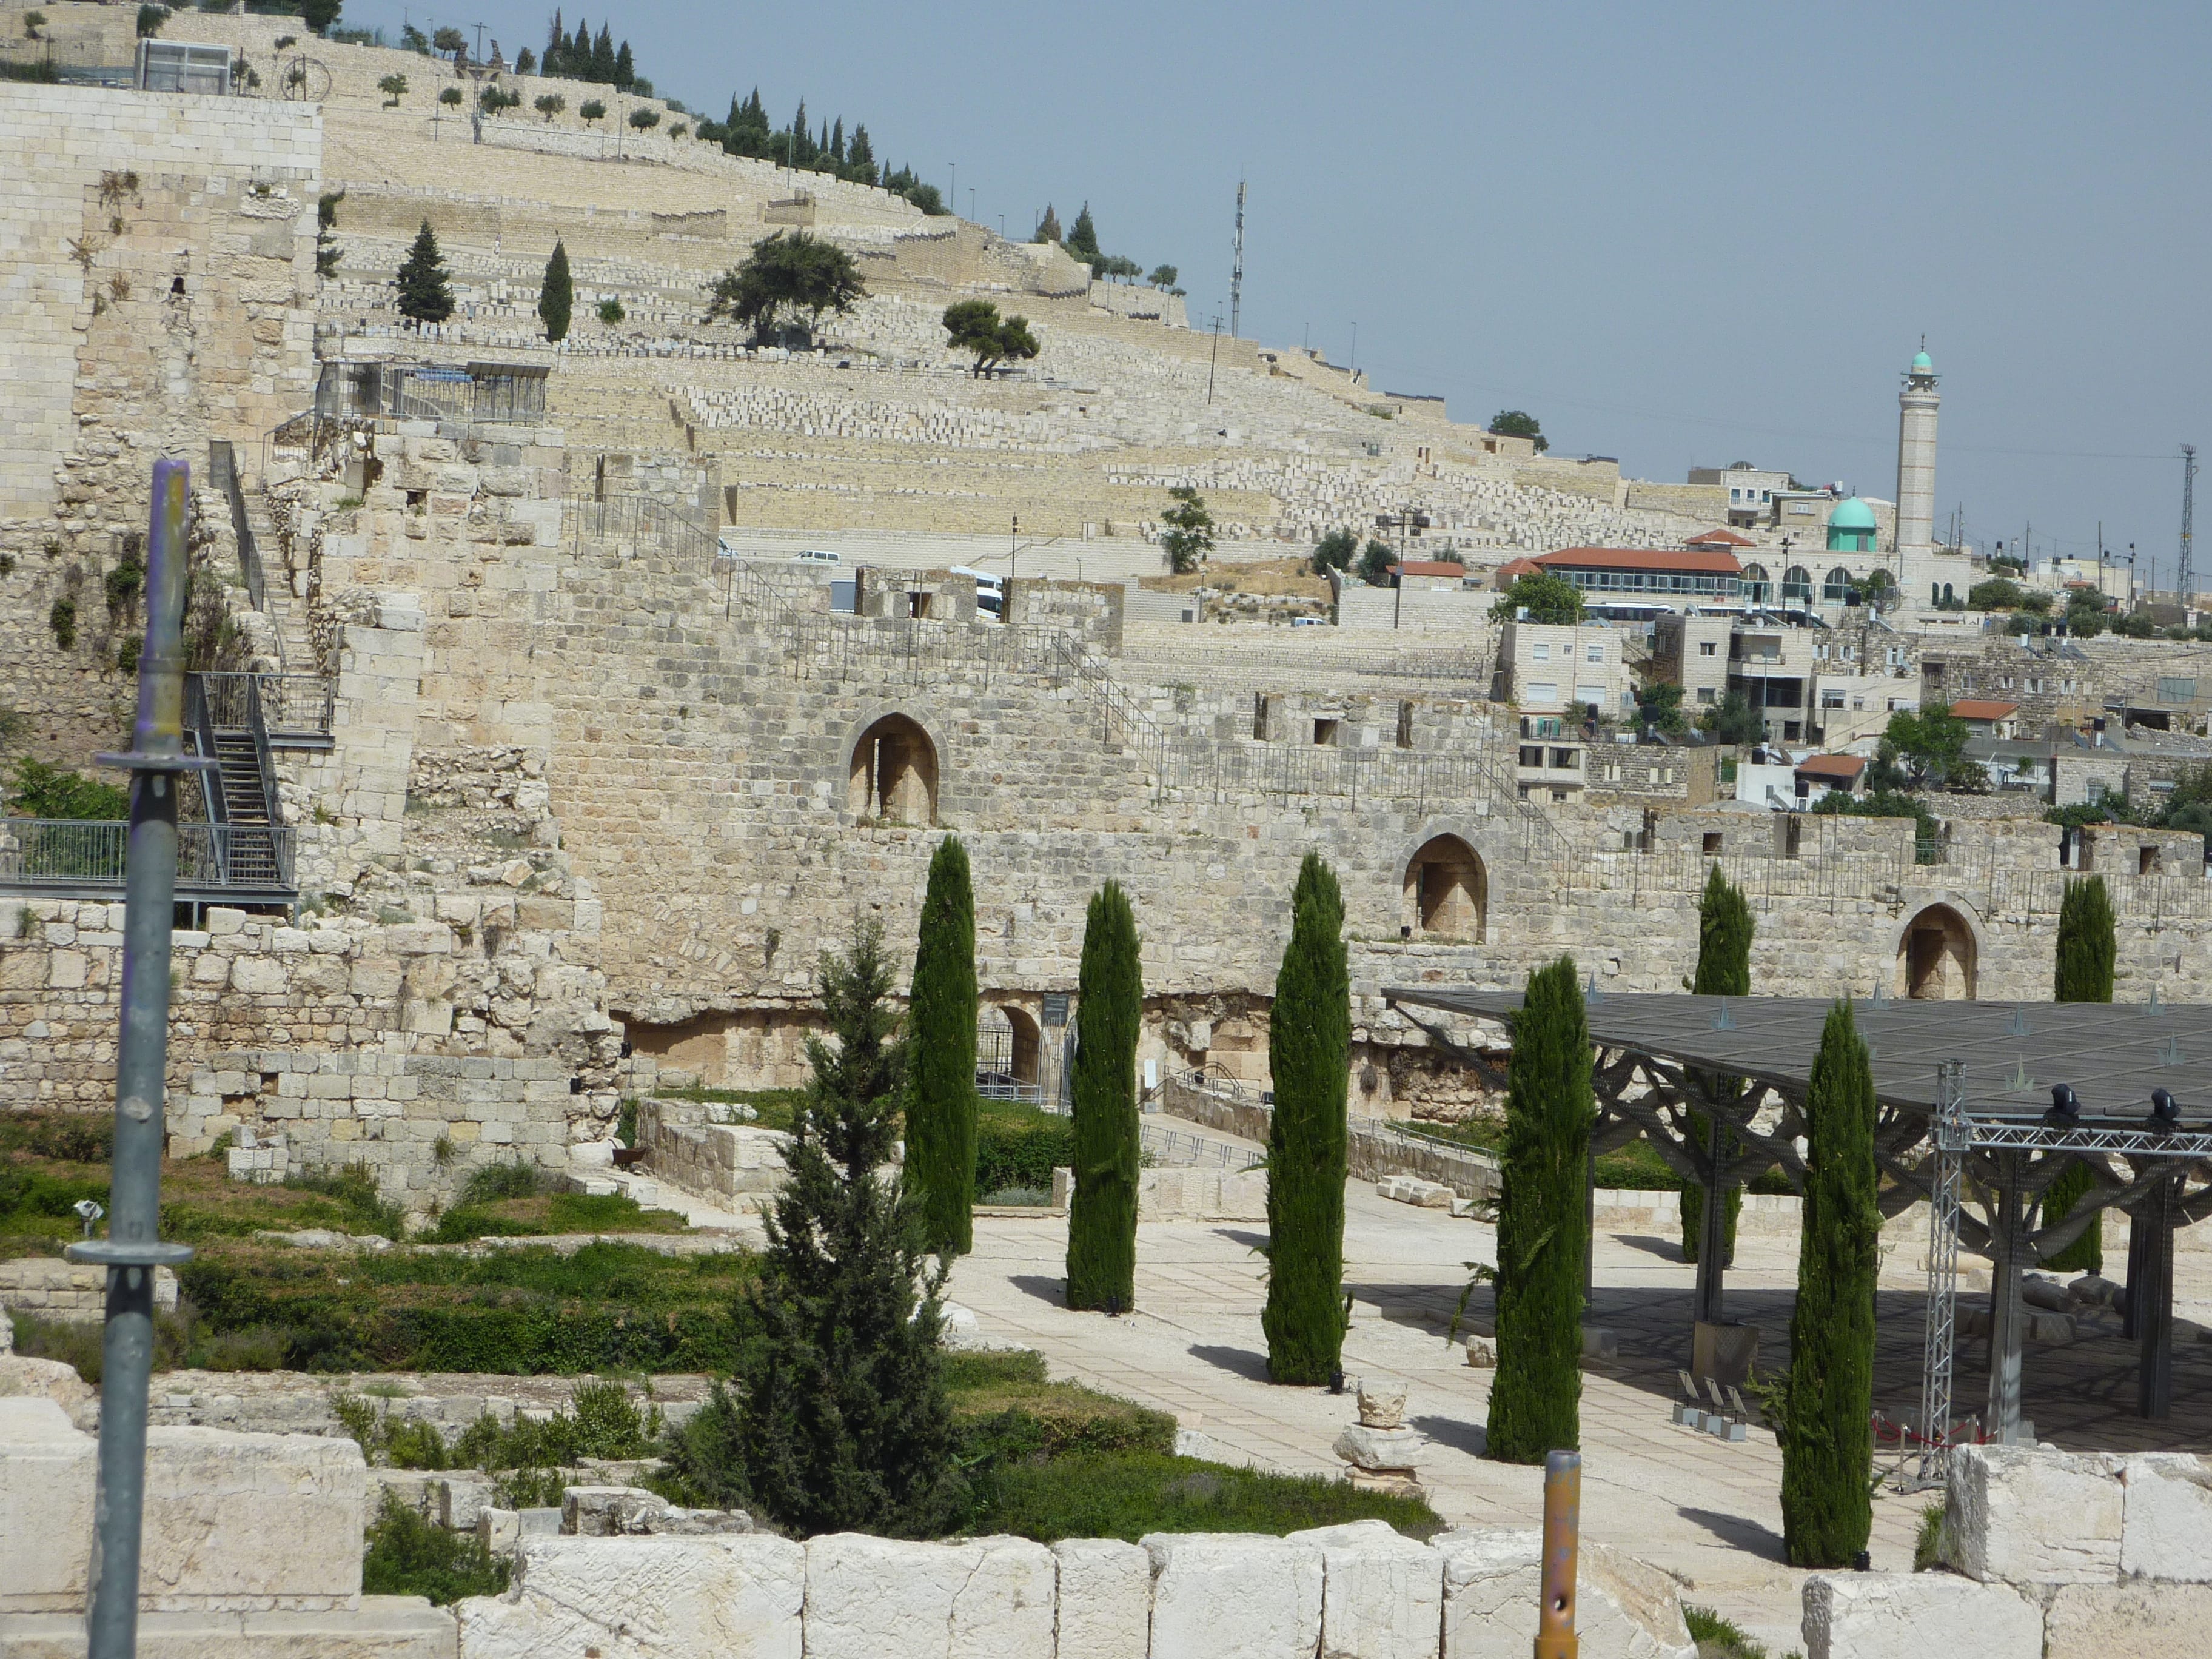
1852 513
1983 709
1720 538
1844 768
1704 560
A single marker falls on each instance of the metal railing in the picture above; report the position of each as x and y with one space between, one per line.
640 517
223 468
291 705
68 856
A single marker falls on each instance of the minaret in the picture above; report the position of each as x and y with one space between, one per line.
1916 455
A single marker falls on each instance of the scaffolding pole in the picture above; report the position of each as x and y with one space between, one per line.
1940 1342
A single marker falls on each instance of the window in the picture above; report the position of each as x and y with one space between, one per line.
1708 648
1404 726
2146 861
1543 691
1831 700
1858 705
1793 730
1594 652
1712 842
1539 652
1796 585
1590 694
1532 755
1260 716
1705 694
1756 585
1836 587
1558 795
1566 760
1324 734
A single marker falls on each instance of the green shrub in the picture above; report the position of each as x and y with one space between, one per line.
1927 1544
363 1207
1101 1223
408 1556
1127 1494
40 791
493 1181
1021 1148
1717 1637
940 1055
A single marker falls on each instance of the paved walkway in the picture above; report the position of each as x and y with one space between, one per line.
1708 1512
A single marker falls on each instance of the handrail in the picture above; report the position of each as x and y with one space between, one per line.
263 759
223 466
90 857
293 705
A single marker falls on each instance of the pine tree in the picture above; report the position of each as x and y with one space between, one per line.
424 292
1083 239
1724 931
860 158
603 58
557 294
625 68
837 143
578 63
1828 1444
1535 1399
2087 945
1102 1219
839 1420
1309 1052
940 1077
1048 229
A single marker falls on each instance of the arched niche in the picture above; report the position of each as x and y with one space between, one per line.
893 777
1008 1045
1448 890
1937 958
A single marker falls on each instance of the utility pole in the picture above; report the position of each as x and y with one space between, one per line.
1236 265
479 28
1355 349
2185 577
1216 358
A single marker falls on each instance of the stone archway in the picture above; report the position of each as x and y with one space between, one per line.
893 774
1937 958
1008 1045
1447 890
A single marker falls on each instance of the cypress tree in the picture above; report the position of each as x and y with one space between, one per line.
1309 1052
603 58
1102 1217
2087 944
424 294
1827 1443
839 1420
578 63
940 1076
1535 1398
1724 931
557 294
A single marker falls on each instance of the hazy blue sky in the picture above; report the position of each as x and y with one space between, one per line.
1679 234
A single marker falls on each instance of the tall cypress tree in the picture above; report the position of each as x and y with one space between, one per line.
1724 931
1827 1442
625 68
2088 946
1101 1219
1543 1235
1309 1052
603 58
557 295
940 1073
424 292
839 1422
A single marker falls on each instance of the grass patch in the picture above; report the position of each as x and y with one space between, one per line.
1717 1637
1927 1544
1129 1493
773 1109
602 1421
408 1556
1635 1167
552 1212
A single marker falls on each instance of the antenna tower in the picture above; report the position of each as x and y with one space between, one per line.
1236 265
2184 580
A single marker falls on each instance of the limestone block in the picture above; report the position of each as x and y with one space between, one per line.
644 1598
982 1598
381 1627
461 1500
1381 1449
1492 1579
2128 1621
609 1511
1382 1406
2025 1516
1911 1615
1381 1593
24 1377
1105 1598
2166 1527
1233 1596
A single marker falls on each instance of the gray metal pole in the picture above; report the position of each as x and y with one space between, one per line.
131 1251
2008 1243
2150 1301
1712 1235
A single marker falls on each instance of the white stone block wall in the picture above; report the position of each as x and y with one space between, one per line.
48 1287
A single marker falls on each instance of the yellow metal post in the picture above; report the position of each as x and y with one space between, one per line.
1562 1505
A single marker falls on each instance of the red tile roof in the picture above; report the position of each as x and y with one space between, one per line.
1979 709
1513 568
1429 567
1720 538
1845 768
1700 560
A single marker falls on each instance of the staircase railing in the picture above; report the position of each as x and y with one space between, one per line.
69 856
223 468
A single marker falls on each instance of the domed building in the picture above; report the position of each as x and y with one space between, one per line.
1852 527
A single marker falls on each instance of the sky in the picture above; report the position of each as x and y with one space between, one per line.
1680 235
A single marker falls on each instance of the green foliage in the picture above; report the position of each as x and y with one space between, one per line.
1048 229
644 116
1717 1637
940 1055
424 294
394 87
1102 1221
61 617
798 272
512 1179
1549 597
150 19
1724 936
840 1420
1163 277
123 585
362 1205
548 105
2087 943
1334 552
449 39
1928 1542
1020 1147
1128 1494
492 100
1309 1053
327 251
591 109
611 311
451 97
1083 239
1931 746
1535 1400
1733 720
1998 593
1827 1445
556 294
409 1556
1520 423
976 325
40 791
320 14
1186 533
1376 561
1659 706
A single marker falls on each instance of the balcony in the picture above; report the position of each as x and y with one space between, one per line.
216 863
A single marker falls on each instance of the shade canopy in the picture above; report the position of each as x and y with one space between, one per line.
2113 1054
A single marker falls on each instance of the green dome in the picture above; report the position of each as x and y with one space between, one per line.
1852 514
1923 363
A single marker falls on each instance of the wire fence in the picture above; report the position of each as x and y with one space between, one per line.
89 858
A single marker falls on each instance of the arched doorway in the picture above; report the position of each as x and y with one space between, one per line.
1796 585
1755 584
1009 1055
893 773
1837 589
1448 890
1935 957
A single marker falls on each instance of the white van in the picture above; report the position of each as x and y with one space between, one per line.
811 555
990 591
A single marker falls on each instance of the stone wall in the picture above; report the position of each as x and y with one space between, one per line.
48 1287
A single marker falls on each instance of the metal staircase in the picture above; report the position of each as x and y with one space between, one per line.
250 849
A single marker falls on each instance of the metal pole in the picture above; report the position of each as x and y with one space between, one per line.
1562 1505
2153 1318
2009 1241
131 1251
1949 1139
1712 1232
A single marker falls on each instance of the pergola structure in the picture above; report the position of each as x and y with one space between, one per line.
1982 1102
